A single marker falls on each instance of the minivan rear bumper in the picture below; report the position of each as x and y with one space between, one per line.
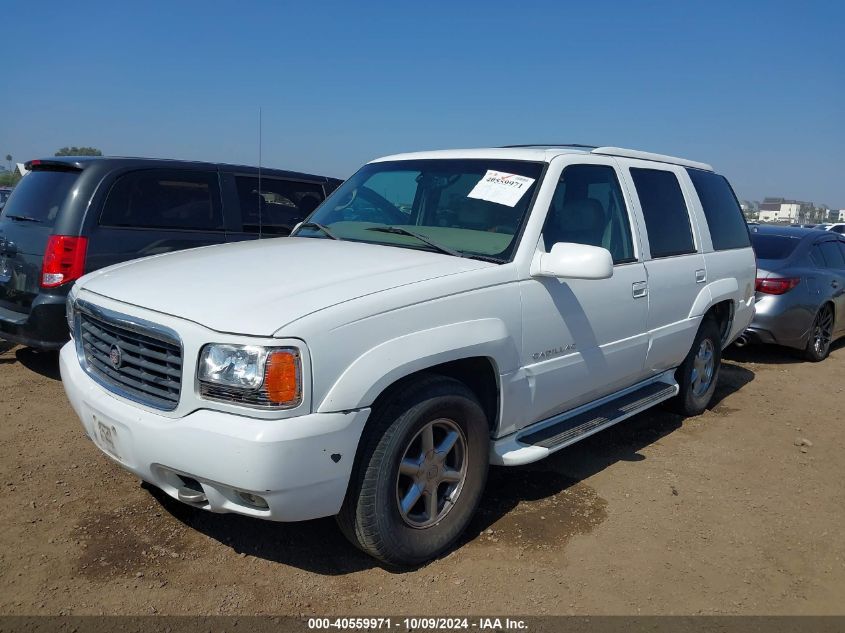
44 327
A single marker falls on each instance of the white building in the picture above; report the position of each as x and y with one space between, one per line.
780 210
841 215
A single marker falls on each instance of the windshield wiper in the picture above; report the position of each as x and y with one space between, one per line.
24 218
398 230
484 258
319 227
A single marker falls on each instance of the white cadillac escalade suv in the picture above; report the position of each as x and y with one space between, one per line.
440 312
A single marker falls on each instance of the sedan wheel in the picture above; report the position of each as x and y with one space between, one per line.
821 335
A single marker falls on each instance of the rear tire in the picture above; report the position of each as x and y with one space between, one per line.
821 335
698 374
419 473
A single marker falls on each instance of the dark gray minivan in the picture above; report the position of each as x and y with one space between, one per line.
72 215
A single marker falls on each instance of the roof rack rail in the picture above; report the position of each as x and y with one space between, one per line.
658 158
549 145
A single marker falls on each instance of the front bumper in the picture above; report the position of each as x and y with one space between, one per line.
300 466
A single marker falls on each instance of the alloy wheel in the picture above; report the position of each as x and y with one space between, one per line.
822 331
432 473
703 368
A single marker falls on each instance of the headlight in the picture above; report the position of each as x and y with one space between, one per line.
268 377
69 309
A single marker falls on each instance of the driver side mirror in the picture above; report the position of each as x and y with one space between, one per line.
574 261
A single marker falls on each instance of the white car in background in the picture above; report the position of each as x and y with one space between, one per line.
838 227
440 311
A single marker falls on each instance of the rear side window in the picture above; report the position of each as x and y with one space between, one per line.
39 196
666 216
278 205
724 217
773 246
165 199
832 254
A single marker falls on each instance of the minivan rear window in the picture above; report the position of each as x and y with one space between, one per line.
39 196
773 246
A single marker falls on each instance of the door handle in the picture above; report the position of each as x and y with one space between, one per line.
639 289
700 276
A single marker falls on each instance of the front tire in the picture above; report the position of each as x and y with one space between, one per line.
419 473
698 374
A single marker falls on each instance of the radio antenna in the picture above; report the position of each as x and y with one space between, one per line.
260 193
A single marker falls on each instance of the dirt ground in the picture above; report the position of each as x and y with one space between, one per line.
738 511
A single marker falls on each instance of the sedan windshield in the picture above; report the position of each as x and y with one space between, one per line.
465 207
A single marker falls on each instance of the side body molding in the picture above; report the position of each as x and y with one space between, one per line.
362 381
719 290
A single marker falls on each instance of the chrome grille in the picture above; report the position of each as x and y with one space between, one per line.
131 359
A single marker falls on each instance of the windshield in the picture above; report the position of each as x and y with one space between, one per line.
471 207
773 246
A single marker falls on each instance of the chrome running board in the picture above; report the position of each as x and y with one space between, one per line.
543 438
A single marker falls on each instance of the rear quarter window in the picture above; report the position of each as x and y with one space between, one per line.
39 196
832 254
724 217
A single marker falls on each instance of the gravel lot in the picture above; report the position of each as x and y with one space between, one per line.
740 511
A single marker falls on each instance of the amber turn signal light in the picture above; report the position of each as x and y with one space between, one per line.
281 379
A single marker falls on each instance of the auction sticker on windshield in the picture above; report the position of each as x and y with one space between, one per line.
501 188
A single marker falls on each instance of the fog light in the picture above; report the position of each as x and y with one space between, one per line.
254 500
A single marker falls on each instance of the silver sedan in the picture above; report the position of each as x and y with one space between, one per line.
800 300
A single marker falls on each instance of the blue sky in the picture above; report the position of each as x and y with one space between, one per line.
755 88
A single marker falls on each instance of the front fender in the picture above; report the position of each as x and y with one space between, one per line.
374 370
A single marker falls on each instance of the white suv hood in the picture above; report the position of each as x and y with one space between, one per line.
257 287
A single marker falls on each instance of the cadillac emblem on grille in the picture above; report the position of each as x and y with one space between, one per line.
115 357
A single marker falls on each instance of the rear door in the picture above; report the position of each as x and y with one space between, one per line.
271 209
833 252
674 262
153 211
32 213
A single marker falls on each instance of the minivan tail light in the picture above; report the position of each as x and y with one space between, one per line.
64 260
776 285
